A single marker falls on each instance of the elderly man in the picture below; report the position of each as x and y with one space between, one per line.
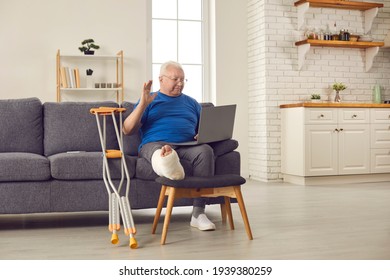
170 116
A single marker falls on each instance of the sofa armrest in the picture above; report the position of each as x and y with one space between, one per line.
223 147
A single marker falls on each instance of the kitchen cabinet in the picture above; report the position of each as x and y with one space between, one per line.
334 140
320 151
380 141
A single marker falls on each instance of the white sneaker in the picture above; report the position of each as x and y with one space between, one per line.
202 222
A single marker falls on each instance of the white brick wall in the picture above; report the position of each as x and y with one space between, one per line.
274 78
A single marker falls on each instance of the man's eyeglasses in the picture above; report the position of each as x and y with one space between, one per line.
177 80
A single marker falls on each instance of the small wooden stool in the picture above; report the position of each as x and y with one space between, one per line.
227 186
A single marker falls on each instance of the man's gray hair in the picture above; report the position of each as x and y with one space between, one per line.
169 64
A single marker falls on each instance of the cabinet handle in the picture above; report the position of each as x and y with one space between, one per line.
336 130
341 129
321 116
354 116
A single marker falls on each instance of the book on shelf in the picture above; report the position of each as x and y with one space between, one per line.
64 83
77 77
70 77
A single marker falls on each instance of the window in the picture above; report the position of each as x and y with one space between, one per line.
178 34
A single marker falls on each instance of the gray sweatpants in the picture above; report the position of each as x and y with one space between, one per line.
200 156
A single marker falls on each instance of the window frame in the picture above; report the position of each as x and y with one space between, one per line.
205 47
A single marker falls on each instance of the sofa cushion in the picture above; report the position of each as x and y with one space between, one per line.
21 126
144 170
86 166
23 167
69 126
130 142
25 197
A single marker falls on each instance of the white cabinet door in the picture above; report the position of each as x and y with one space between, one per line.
321 152
380 136
380 160
380 115
380 141
354 148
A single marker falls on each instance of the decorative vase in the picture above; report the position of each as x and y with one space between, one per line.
376 94
337 97
89 52
89 81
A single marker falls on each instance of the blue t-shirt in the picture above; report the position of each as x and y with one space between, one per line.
170 119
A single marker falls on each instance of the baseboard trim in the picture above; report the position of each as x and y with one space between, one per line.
340 179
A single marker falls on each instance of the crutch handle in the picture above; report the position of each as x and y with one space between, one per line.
113 154
106 110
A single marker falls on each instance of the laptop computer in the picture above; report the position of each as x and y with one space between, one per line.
215 124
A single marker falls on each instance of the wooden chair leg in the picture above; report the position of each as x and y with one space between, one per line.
171 199
241 204
226 210
223 213
229 212
159 208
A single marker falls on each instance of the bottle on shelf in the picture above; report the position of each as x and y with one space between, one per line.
376 94
347 35
327 35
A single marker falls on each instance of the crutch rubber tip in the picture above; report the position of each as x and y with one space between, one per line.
133 243
114 238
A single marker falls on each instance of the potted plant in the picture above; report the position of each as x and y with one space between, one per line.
338 87
88 46
315 98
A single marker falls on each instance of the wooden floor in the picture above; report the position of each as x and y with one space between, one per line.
288 222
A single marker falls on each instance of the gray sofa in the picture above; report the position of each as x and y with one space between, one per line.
39 174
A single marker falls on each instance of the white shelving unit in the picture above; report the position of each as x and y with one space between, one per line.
118 59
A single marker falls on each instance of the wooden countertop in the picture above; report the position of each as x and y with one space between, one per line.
335 105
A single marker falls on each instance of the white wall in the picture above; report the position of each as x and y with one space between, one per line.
274 78
32 31
230 67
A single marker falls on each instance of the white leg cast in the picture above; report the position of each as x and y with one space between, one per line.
168 166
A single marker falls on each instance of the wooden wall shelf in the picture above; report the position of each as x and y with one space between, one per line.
340 44
370 9
339 4
371 48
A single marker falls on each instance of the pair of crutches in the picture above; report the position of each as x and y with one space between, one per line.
118 205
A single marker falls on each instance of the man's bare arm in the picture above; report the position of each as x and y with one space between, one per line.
133 122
